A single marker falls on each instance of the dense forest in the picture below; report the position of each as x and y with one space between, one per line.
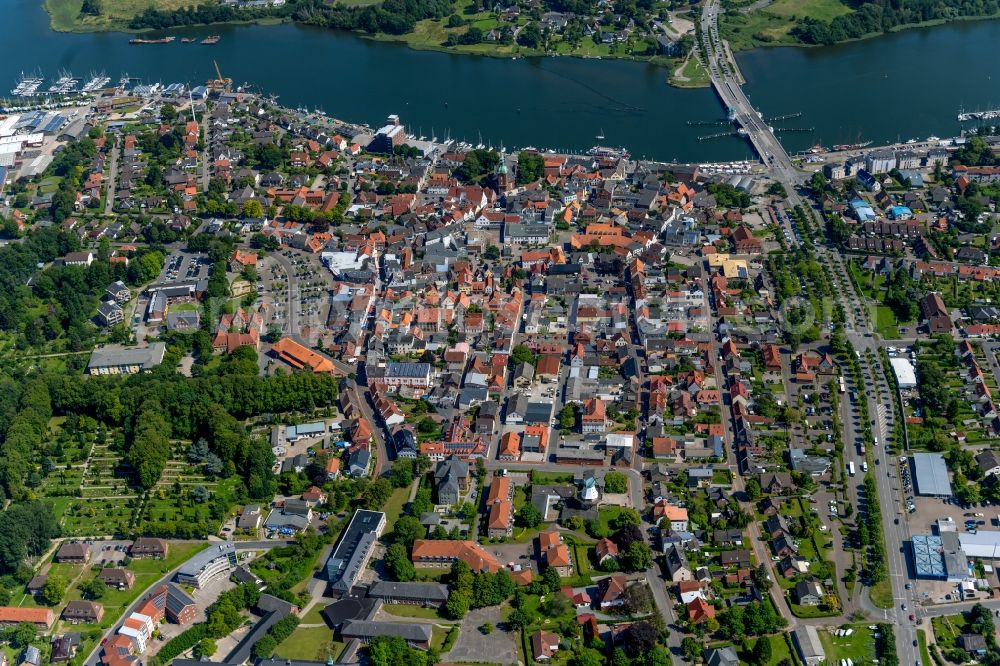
880 16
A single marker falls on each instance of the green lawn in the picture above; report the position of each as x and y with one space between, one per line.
947 629
885 322
695 74
859 647
881 594
925 655
780 650
184 307
811 611
393 509
551 478
179 552
431 573
314 616
821 10
315 644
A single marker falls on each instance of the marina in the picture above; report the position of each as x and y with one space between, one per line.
66 85
966 116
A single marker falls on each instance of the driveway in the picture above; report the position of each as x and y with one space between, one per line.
474 646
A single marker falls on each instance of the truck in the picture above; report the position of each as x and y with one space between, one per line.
850 468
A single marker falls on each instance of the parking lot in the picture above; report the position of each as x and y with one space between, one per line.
181 265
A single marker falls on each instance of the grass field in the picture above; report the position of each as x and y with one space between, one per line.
694 75
551 478
179 552
780 651
924 652
772 24
859 647
393 509
881 594
821 10
315 644
65 14
885 322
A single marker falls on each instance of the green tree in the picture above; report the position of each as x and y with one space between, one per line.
551 579
762 650
528 516
521 354
93 588
637 557
205 648
615 482
518 620
252 208
406 530
54 589
457 605
530 165
398 561
402 473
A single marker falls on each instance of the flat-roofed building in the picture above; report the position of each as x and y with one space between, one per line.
206 566
906 376
118 360
930 474
352 553
984 544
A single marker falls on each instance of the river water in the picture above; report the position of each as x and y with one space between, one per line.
906 85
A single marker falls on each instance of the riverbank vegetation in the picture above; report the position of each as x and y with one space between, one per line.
98 15
557 27
751 23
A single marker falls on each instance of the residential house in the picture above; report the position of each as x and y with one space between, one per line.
555 553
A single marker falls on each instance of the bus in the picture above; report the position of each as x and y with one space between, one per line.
843 386
850 468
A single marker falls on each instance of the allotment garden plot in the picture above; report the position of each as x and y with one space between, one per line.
83 474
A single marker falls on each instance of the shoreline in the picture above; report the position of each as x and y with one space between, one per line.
934 23
671 64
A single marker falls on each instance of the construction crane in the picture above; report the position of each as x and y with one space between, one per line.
220 83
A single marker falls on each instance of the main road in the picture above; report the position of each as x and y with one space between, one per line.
751 123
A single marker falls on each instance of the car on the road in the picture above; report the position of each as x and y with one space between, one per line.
902 606
913 618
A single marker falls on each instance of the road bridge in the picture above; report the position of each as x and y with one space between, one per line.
780 167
